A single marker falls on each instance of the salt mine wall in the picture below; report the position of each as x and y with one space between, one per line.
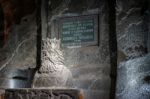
133 49
88 63
18 41
97 47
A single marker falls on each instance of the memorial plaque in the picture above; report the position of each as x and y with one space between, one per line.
79 31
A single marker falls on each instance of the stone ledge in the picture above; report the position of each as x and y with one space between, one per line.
43 94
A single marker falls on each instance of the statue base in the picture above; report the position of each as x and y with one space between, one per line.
30 93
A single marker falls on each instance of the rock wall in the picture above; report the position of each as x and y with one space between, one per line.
133 47
89 65
18 50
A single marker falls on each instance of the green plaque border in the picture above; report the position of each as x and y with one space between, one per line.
73 18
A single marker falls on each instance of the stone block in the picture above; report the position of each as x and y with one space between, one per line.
43 94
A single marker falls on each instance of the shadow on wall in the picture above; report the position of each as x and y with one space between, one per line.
1 27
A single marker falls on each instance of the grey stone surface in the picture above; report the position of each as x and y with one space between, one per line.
132 30
43 94
20 51
133 79
18 54
133 45
89 65
16 78
53 72
90 94
148 21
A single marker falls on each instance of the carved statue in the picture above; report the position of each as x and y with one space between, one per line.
53 72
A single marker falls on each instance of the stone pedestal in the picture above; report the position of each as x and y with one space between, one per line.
43 94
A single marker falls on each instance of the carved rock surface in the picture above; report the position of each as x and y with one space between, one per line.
53 72
89 65
134 79
133 44
70 8
43 94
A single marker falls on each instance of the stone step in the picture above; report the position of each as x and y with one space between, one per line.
43 93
